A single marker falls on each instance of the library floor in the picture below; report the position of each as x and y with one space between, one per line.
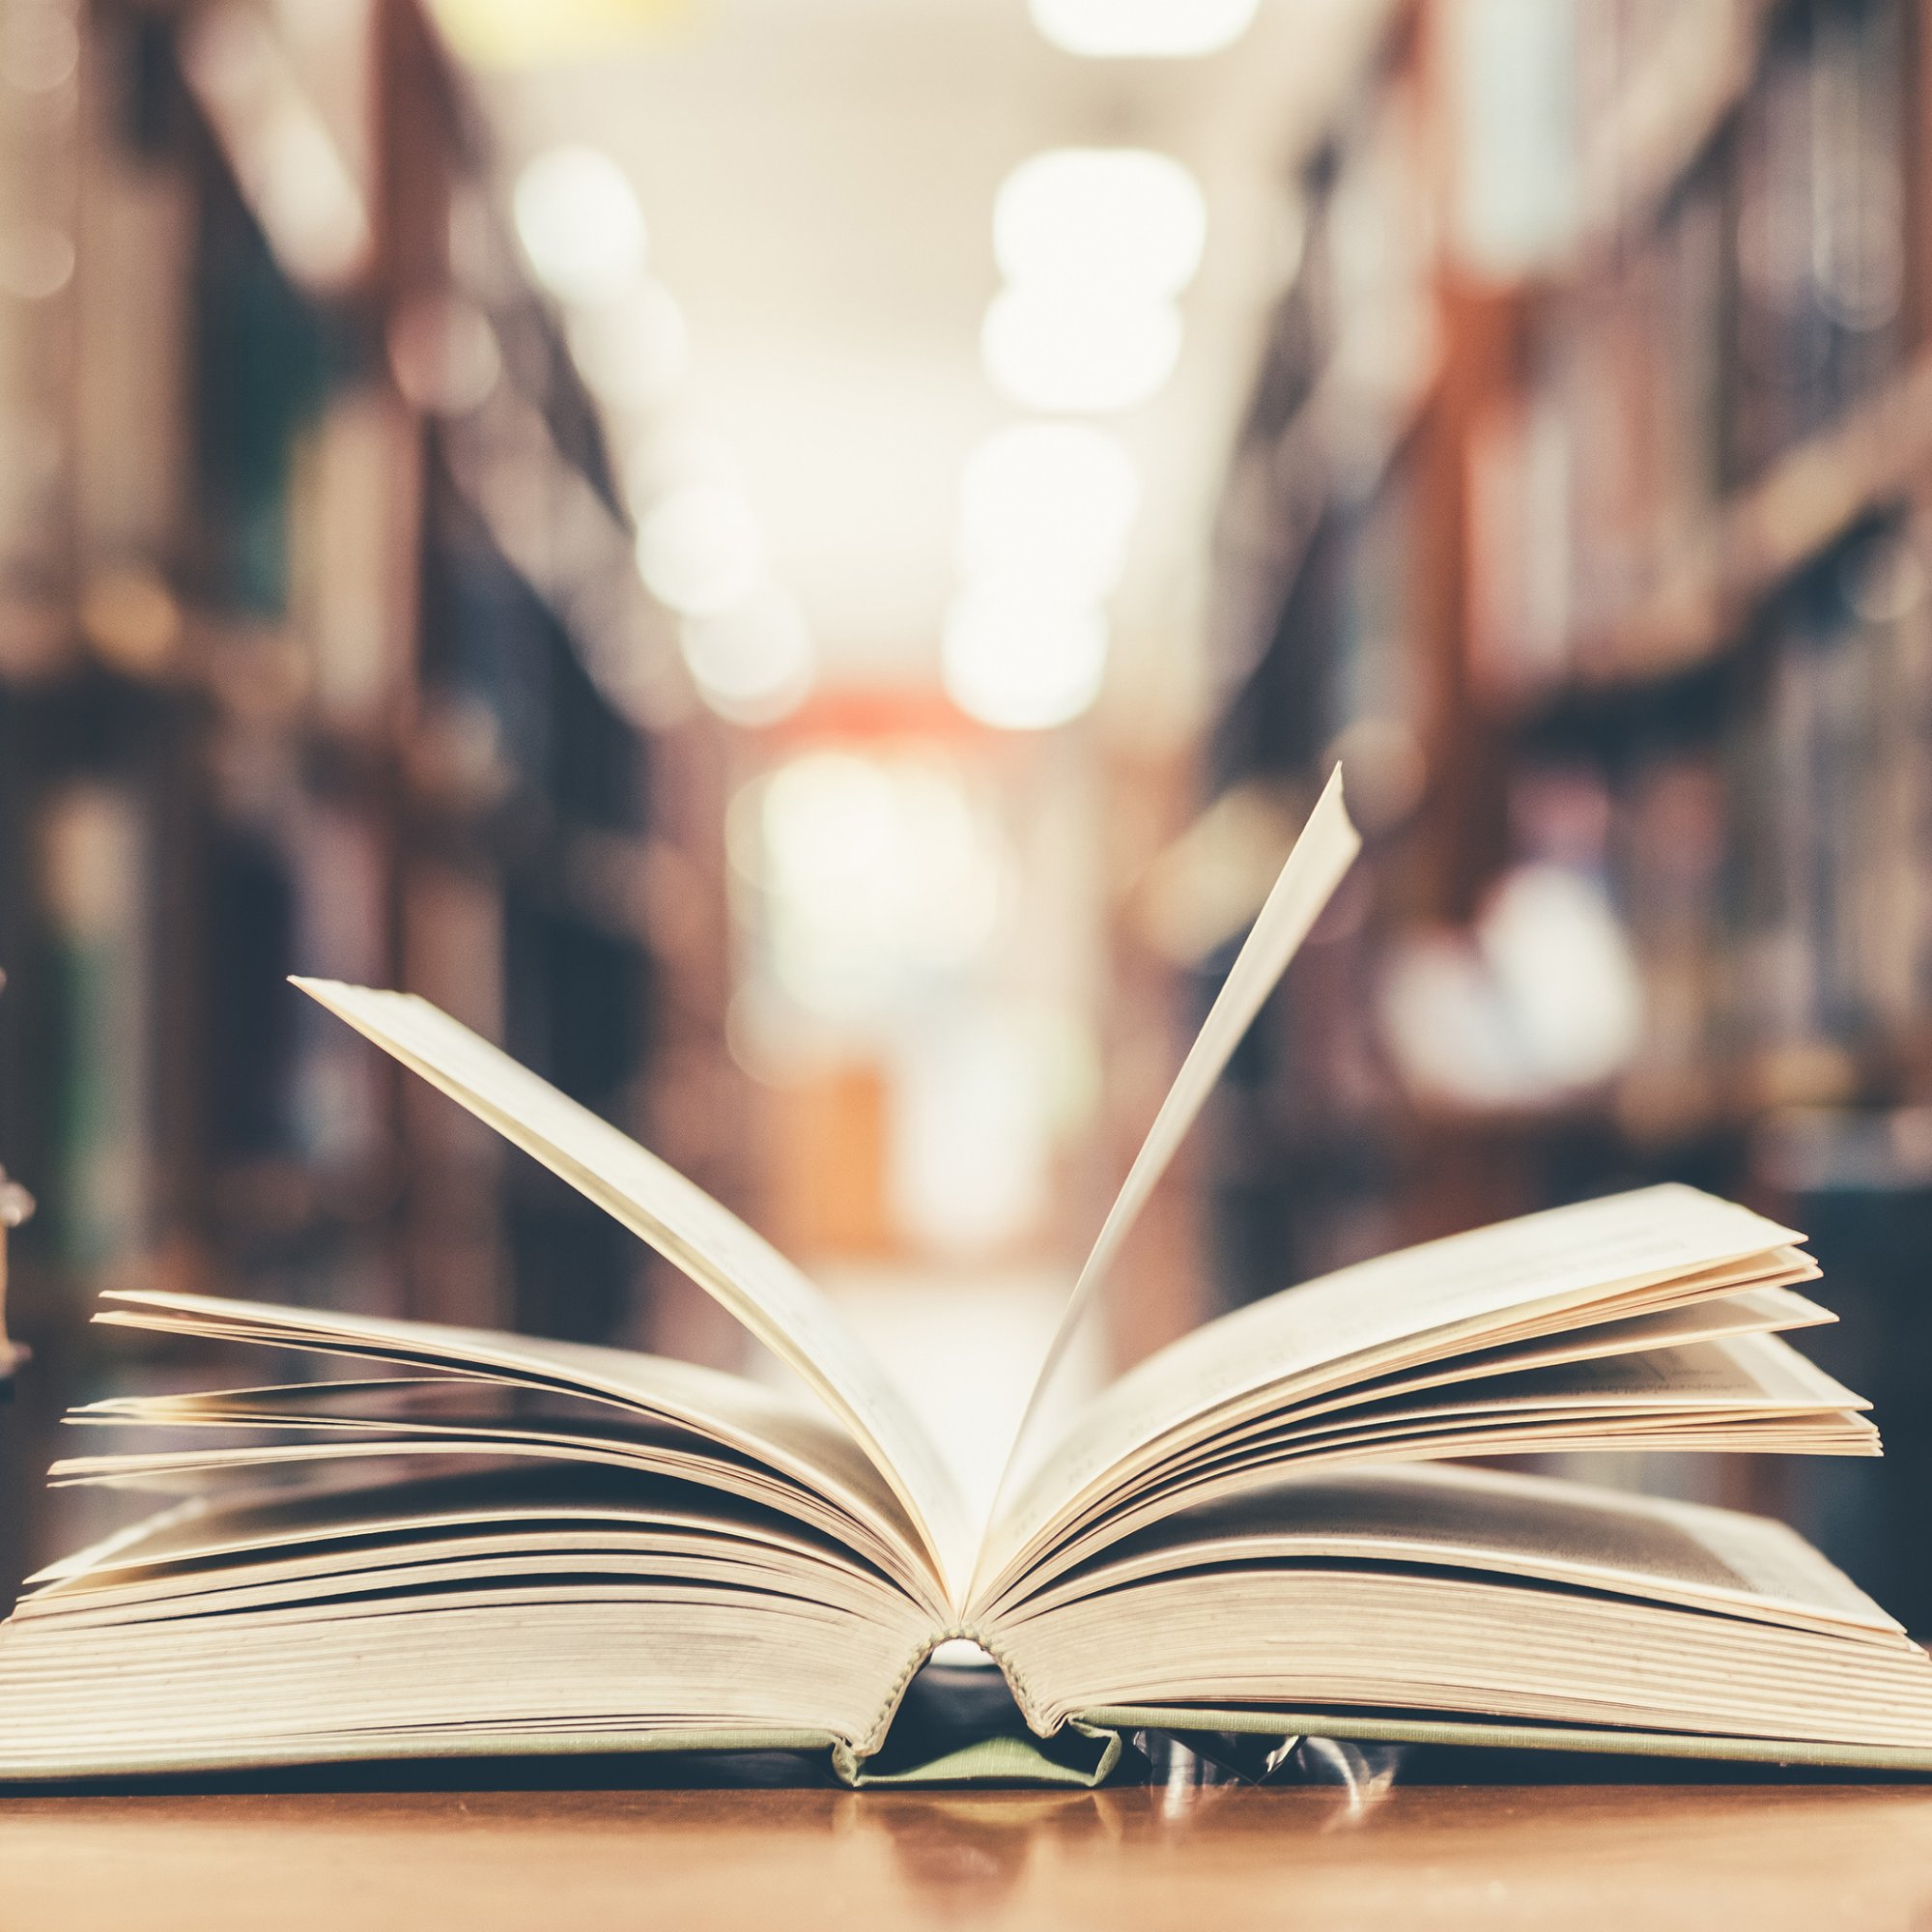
1654 1857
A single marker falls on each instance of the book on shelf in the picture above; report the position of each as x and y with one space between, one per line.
483 1543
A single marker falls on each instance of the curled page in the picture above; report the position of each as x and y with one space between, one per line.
726 1259
1313 868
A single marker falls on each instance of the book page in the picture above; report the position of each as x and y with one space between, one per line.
512 1378
253 1524
1757 1311
1688 1554
1323 854
552 1610
1741 1371
1371 1316
1831 1433
1735 1375
1670 1329
1465 1592
736 1266
1751 1392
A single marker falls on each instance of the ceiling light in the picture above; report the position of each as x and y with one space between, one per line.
875 874
1023 667
1089 219
579 224
1047 350
1146 29
1046 508
702 549
754 663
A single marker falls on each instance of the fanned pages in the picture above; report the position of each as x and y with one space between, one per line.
456 1542
1560 1269
566 1402
726 1259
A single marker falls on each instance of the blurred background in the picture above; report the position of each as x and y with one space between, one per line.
798 563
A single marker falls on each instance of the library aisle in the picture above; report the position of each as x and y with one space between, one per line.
798 565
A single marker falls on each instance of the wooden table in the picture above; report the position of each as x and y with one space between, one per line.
1640 1859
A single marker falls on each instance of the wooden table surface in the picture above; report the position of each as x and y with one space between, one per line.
1640 1859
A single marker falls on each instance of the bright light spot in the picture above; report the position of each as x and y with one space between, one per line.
1540 998
879 874
1023 667
702 549
1566 972
825 820
1046 351
754 662
1091 219
579 224
1045 510
1515 170
632 352
1146 29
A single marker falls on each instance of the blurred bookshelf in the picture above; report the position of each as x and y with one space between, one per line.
1581 511
321 650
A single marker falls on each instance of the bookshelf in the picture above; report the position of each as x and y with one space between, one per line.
1626 598
321 650
1765 533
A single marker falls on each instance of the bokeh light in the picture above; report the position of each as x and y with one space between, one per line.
1023 665
1047 350
879 874
701 549
1124 220
754 663
1046 509
579 223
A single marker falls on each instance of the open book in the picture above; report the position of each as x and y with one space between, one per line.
486 1543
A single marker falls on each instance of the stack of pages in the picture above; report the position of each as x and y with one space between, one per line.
474 1543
